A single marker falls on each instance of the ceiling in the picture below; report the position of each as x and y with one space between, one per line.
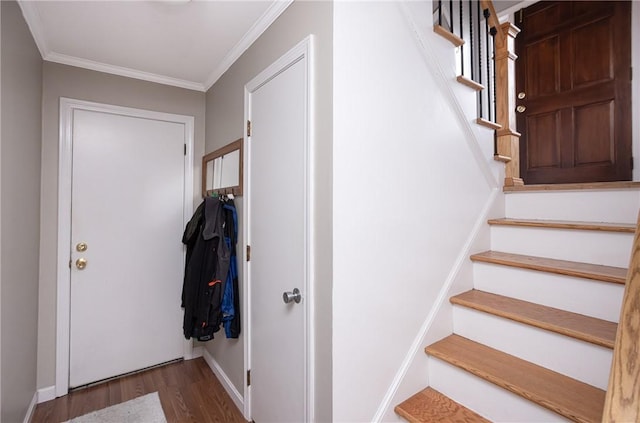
184 43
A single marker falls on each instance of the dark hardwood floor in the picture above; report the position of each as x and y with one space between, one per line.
188 390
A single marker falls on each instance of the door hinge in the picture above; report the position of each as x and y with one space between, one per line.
70 262
519 12
248 377
631 162
248 128
248 252
185 149
631 73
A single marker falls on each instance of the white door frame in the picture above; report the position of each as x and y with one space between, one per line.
304 50
67 108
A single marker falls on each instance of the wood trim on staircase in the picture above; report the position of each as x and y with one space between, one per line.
568 397
561 267
488 124
623 394
448 35
575 187
469 83
574 325
564 224
508 139
430 405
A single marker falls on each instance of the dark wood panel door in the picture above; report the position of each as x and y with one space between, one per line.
573 82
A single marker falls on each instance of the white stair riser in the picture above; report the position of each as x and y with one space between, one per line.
595 247
584 296
577 359
594 206
485 398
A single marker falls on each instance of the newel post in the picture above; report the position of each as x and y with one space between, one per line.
508 142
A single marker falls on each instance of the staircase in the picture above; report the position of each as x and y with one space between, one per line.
533 341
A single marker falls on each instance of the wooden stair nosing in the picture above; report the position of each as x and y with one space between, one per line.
562 267
430 405
490 125
501 158
448 35
469 83
566 224
594 186
568 397
585 328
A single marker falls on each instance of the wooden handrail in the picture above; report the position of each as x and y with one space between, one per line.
622 402
494 22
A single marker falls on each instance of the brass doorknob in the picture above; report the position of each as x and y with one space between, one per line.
81 263
521 109
521 95
81 247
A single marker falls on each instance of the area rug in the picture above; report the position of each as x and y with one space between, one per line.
145 409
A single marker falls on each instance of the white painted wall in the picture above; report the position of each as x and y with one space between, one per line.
408 189
20 173
224 109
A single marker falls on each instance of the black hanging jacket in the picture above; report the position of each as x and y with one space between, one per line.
207 264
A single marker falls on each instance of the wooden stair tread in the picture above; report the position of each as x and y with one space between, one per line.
491 125
561 267
469 83
574 187
565 224
448 35
578 326
430 406
568 397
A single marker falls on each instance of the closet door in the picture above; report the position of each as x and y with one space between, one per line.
126 251
279 233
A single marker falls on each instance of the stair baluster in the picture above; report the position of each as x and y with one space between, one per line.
492 74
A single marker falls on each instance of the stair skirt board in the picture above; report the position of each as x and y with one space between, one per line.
604 248
577 359
584 296
485 398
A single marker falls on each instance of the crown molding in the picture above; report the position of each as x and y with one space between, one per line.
261 25
32 17
122 71
34 22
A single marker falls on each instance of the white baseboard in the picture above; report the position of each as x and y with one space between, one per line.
46 394
32 408
197 352
224 380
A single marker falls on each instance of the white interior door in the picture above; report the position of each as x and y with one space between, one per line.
278 232
127 208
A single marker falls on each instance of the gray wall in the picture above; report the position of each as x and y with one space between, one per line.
225 115
21 81
67 81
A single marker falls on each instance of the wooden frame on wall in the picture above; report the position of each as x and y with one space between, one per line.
221 152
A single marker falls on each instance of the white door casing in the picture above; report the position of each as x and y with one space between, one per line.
279 229
120 265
